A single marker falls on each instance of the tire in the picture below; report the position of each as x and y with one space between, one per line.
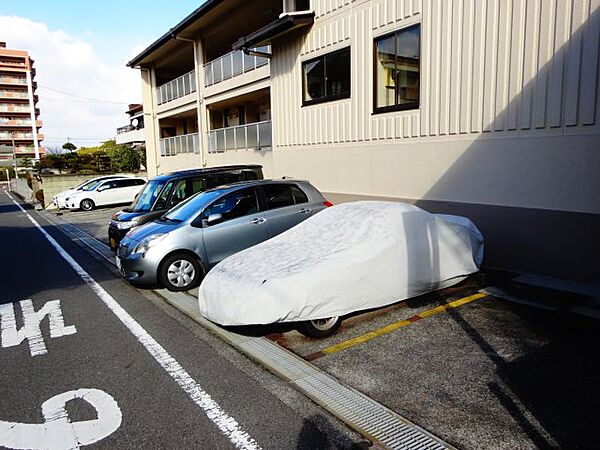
320 328
180 272
87 204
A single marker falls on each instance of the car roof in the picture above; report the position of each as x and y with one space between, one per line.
205 170
249 183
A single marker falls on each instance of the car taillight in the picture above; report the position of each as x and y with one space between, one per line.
327 203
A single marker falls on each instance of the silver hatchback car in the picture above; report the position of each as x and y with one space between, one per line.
176 250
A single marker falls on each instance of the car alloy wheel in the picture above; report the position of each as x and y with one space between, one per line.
320 328
86 205
180 272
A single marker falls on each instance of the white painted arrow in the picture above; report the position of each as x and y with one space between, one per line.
58 432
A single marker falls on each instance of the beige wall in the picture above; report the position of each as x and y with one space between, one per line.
508 115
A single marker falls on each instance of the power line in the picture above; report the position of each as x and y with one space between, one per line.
81 96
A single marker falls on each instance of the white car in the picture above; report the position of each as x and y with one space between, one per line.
59 199
107 192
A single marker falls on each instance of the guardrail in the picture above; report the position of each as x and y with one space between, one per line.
250 136
13 80
177 88
13 94
233 64
186 143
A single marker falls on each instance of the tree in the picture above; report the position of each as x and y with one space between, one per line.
125 158
69 146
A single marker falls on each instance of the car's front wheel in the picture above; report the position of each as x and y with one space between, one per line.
180 272
87 204
320 328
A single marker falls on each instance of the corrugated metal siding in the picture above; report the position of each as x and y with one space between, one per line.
487 66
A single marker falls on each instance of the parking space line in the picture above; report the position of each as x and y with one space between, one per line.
393 327
228 426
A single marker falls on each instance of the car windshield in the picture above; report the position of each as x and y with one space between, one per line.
192 206
147 197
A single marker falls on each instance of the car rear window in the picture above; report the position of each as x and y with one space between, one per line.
281 195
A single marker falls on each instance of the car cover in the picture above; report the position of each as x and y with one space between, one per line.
346 258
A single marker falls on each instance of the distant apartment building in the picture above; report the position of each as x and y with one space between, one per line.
133 133
19 124
488 109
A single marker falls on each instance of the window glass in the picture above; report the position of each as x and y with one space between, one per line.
238 204
299 195
123 183
138 182
314 73
106 186
161 203
219 179
146 198
198 184
397 70
278 195
327 77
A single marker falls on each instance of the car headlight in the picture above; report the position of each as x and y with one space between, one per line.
125 225
149 242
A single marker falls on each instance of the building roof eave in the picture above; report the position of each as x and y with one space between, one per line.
285 24
181 26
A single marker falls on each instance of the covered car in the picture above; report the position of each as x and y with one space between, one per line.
347 258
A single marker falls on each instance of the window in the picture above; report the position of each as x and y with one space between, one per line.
282 195
326 78
238 204
161 203
397 70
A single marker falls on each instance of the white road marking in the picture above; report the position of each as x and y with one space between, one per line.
58 432
227 424
31 325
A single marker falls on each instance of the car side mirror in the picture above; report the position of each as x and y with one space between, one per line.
213 219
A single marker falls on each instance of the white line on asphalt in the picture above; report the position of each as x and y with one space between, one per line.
227 424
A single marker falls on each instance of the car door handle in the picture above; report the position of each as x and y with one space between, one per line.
258 220
305 210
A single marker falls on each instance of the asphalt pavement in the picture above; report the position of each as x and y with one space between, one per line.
86 359
476 370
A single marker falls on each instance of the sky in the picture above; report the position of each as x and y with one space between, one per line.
80 49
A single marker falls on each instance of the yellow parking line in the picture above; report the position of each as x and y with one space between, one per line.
394 326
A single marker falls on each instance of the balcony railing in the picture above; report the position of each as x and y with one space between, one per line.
176 145
127 128
233 64
15 122
177 88
13 94
15 108
13 80
251 136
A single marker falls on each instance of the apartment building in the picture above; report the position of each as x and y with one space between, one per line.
133 133
19 124
487 109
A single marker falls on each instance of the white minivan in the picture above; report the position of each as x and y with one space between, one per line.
108 192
